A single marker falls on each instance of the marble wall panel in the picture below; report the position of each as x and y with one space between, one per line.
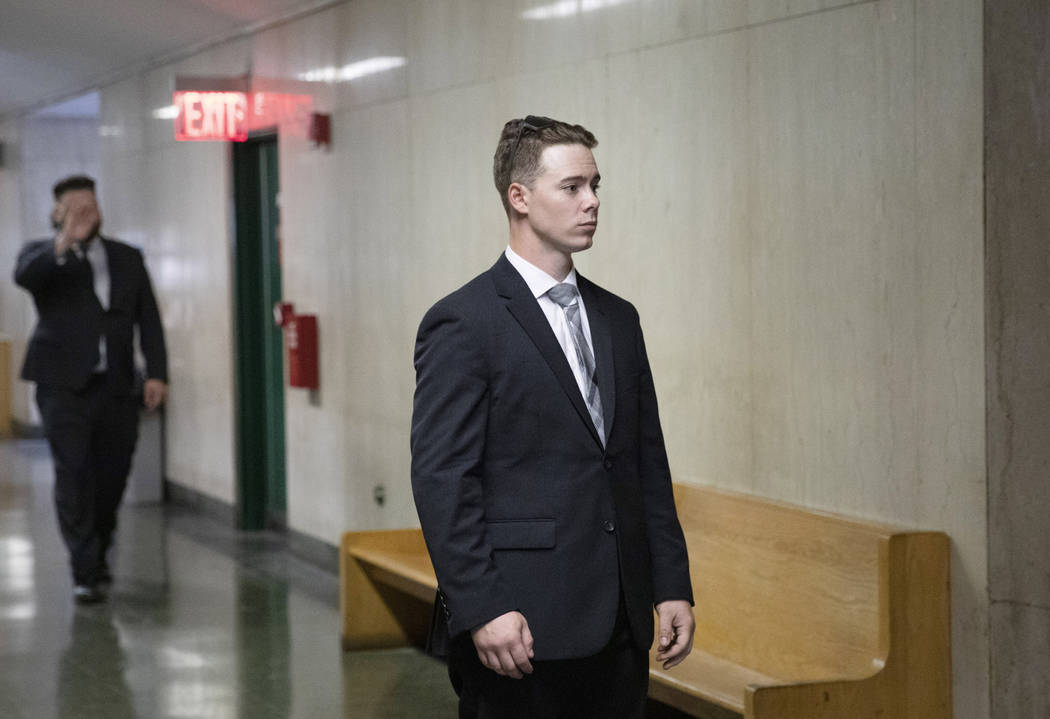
1020 664
122 107
458 42
458 226
764 11
1017 181
16 307
189 261
40 151
866 288
666 21
820 321
339 40
673 240
356 267
171 199
53 148
950 490
1018 492
158 128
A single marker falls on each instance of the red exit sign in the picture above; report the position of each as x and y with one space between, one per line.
211 115
232 114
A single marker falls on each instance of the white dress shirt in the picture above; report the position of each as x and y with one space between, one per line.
96 255
539 283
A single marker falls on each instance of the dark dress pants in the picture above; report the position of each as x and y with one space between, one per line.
612 684
92 434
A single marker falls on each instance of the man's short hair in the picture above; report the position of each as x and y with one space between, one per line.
522 142
73 182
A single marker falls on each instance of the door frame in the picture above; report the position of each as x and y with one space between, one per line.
258 344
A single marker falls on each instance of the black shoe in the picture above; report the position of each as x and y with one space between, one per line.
88 594
105 577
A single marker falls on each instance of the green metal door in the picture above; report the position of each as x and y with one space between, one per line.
260 369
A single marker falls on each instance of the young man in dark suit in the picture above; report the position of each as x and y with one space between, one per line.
90 294
538 462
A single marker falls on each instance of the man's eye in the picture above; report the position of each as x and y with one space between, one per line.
571 188
595 189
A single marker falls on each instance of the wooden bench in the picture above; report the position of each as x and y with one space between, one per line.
386 589
800 615
803 615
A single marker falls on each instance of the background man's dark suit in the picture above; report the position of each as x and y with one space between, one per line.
521 507
90 419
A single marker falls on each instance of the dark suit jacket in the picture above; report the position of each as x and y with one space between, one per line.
63 350
520 506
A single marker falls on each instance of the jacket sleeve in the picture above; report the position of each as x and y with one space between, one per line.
449 423
667 548
36 266
151 330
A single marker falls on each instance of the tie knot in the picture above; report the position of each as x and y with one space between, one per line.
564 294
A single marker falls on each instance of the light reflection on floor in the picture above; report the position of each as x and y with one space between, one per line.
202 622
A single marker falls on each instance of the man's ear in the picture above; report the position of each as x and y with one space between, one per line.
517 194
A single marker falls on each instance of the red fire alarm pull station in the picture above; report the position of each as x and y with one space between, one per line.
301 336
283 312
321 129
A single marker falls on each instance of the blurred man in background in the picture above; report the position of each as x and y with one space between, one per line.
90 294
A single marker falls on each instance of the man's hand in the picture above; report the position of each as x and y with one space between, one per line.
154 392
505 645
79 215
676 631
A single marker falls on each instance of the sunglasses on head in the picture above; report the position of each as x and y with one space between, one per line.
533 124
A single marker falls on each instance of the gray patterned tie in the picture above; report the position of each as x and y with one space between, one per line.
565 295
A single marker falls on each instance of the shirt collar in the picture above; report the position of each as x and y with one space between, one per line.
93 248
537 280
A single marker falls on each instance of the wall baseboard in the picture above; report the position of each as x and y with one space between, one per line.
25 430
319 553
209 506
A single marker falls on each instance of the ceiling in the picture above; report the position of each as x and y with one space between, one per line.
51 50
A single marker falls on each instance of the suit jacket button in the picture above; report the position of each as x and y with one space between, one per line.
608 464
608 526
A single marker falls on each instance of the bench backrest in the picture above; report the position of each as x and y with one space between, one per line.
790 592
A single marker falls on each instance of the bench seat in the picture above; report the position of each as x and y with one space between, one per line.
800 614
705 676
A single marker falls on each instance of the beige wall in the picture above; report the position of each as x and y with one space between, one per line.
38 151
791 196
174 199
13 301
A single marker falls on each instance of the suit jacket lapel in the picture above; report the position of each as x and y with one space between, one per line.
601 339
523 306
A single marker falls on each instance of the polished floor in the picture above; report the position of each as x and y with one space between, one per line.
202 622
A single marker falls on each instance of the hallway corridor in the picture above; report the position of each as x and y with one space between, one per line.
202 622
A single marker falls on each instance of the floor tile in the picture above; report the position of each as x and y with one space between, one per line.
203 621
